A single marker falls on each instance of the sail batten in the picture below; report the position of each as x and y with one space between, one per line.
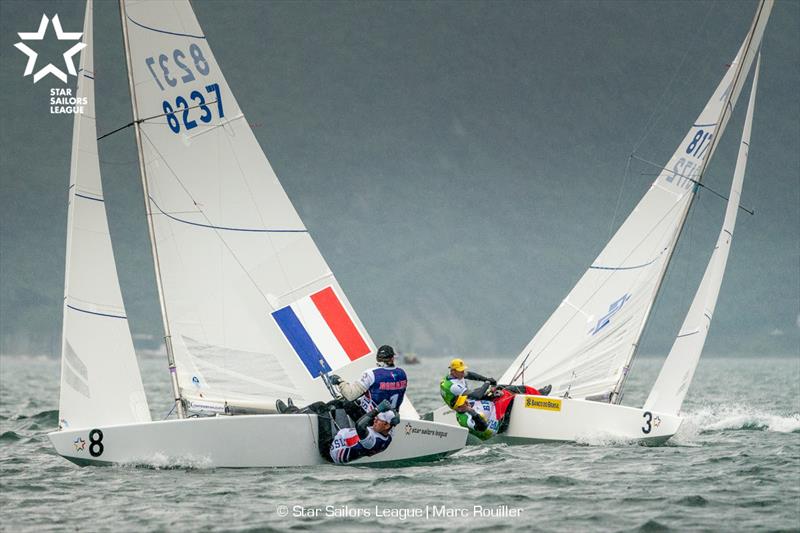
586 349
100 379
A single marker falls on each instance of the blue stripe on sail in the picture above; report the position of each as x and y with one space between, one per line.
623 268
300 340
164 31
94 313
225 228
89 197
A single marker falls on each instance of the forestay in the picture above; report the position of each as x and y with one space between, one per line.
252 308
585 347
100 379
673 381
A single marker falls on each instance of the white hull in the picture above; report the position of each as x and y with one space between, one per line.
240 441
544 419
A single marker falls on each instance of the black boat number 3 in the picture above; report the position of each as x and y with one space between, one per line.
648 418
96 443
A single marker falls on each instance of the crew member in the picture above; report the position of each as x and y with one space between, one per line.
484 410
372 435
384 382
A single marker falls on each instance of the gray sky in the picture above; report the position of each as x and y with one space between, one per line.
459 164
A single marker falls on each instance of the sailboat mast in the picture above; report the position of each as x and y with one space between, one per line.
727 108
148 213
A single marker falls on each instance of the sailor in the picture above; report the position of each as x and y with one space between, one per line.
372 435
384 382
484 410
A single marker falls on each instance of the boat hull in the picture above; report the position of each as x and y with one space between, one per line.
239 442
545 419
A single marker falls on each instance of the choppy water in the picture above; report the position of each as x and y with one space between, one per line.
734 466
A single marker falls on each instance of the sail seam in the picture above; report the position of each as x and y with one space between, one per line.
164 31
225 228
624 268
95 313
89 197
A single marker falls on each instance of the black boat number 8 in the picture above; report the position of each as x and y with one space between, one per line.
648 418
96 443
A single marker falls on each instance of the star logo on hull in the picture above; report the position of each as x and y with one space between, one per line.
38 35
79 444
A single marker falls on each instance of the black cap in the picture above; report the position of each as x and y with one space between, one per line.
385 353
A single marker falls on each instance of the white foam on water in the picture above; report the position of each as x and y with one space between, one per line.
724 417
600 438
161 461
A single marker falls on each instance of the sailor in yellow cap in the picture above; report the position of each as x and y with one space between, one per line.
480 410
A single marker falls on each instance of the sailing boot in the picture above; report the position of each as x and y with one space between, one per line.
281 406
544 391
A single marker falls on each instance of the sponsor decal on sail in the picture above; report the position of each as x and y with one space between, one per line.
321 332
547 404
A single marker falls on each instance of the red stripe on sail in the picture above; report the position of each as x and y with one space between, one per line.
340 323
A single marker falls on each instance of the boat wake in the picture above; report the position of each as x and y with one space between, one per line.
734 418
161 461
605 439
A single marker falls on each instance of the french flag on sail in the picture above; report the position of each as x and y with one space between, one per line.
321 332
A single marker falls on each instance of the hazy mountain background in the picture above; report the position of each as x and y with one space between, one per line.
459 164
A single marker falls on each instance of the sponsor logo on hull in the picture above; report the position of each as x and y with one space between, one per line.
546 404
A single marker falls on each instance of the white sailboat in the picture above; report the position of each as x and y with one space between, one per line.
251 311
587 345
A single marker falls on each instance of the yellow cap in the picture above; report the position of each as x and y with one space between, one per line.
461 400
458 365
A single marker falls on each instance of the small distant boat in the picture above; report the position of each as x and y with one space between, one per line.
586 347
410 359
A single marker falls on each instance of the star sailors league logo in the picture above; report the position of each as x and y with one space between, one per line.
62 100
50 68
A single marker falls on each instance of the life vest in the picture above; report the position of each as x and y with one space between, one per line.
383 383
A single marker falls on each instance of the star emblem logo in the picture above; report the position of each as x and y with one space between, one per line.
79 444
49 68
408 428
657 421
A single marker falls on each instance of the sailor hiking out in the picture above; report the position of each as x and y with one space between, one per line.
370 404
484 411
372 435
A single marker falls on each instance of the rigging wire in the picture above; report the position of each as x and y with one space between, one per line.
141 120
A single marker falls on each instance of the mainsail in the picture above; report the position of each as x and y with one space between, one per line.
100 379
586 346
673 381
252 311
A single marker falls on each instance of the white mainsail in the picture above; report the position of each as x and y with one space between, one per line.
100 379
673 381
585 347
252 311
